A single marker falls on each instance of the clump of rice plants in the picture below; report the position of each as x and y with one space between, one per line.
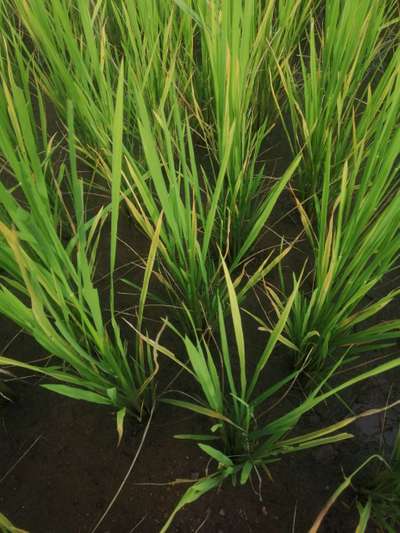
217 202
339 63
192 201
241 46
229 395
169 105
72 47
47 285
80 45
355 243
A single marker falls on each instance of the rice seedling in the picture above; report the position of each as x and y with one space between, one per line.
234 401
152 36
201 44
173 183
383 494
159 52
172 103
240 45
47 285
341 61
364 512
71 64
80 45
378 499
355 243
35 145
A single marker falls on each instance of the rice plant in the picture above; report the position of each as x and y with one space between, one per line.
383 494
364 511
152 36
79 46
173 183
172 103
355 243
47 284
72 47
227 205
233 399
163 177
378 499
339 63
21 90
240 45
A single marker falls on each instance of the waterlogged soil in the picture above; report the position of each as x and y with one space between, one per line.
60 465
